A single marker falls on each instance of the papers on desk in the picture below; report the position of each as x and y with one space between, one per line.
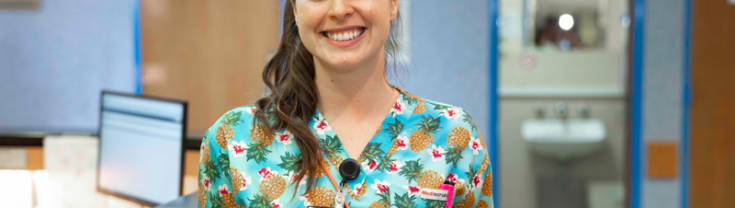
20 194
71 162
69 178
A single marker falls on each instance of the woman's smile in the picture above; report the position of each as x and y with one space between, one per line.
344 36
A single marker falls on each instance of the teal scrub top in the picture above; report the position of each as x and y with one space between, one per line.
419 145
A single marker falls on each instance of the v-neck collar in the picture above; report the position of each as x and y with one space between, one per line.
376 147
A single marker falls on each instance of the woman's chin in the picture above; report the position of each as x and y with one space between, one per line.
347 61
348 64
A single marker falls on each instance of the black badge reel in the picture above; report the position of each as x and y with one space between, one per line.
349 169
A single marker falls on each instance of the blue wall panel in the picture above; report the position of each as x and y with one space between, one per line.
54 61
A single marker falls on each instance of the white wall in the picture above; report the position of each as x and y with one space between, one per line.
563 70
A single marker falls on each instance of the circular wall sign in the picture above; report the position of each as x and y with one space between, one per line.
528 61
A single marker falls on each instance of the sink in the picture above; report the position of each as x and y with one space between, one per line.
564 138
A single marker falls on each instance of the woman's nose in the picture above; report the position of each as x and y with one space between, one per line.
340 9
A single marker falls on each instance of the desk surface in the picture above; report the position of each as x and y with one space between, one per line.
183 202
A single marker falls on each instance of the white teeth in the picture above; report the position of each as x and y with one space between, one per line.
345 36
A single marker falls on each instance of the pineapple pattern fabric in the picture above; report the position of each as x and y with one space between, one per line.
420 144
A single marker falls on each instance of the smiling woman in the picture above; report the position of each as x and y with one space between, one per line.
331 101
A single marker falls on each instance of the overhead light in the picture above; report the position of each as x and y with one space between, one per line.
566 21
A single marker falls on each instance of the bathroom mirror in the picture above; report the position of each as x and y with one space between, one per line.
566 25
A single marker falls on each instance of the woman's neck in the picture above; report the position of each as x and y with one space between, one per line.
356 92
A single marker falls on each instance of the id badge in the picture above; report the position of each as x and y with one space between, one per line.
339 200
434 194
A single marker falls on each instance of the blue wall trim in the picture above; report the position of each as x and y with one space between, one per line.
280 17
136 49
493 99
684 156
636 103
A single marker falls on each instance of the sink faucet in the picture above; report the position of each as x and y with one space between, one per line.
584 110
561 110
539 110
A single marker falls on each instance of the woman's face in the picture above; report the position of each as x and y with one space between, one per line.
344 34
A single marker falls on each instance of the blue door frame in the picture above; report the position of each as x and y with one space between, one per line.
493 98
636 88
136 47
684 152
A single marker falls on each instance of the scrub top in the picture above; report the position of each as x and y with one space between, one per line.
419 145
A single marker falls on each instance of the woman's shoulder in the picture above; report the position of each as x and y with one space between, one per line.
430 109
237 116
235 122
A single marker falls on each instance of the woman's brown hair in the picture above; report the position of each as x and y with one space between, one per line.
293 99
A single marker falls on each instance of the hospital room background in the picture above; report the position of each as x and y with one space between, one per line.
583 103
